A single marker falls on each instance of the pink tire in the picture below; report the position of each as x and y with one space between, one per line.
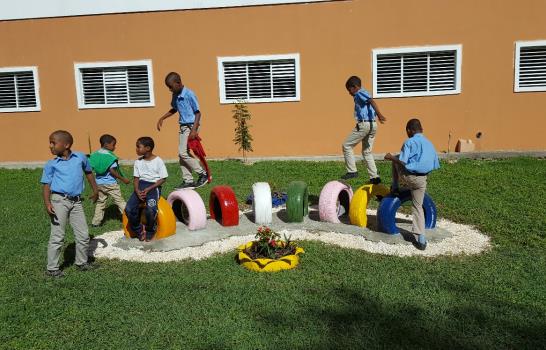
334 196
189 208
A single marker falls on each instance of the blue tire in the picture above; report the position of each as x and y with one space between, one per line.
386 214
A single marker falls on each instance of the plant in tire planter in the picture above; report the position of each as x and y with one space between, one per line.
268 253
242 132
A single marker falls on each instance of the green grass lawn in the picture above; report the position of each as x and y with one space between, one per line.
336 298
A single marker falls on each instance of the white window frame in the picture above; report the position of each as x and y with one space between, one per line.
113 64
417 49
34 71
519 45
221 84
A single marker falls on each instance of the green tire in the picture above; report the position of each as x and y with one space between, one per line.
297 204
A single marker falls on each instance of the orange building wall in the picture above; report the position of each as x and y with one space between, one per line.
334 40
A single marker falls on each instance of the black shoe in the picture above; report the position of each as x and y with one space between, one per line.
350 176
202 180
54 273
420 246
375 181
185 185
87 267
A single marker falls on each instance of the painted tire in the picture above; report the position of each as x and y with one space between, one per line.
333 195
261 205
188 207
223 206
166 221
267 265
386 213
297 204
359 203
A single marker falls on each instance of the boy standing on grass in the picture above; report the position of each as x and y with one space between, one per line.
105 164
185 103
149 174
364 131
62 181
410 169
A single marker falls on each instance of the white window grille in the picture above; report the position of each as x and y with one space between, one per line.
274 78
530 67
114 84
417 71
19 89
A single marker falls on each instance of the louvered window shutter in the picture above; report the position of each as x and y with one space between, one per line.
532 68
416 73
263 80
18 91
116 86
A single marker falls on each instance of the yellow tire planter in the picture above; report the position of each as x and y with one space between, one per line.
359 202
286 262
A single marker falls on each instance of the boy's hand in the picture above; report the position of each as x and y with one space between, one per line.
94 196
192 135
142 195
160 123
389 156
125 181
381 118
50 209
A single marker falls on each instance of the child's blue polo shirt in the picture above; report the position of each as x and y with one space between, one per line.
66 175
419 155
186 104
363 109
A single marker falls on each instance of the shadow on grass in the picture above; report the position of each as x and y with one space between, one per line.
361 321
69 253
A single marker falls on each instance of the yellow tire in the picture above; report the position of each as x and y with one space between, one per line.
166 221
359 203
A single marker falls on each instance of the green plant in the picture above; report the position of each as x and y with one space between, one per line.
269 245
242 138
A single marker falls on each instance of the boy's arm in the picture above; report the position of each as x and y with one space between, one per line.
380 116
115 174
93 183
394 159
155 185
196 123
47 200
163 117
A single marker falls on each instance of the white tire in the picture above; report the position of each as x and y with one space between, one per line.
334 200
261 204
189 208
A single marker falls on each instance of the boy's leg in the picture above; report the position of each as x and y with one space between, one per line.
81 233
350 142
152 199
99 206
58 224
417 185
370 129
132 212
187 162
114 191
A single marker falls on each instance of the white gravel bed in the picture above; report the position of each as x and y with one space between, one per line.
465 240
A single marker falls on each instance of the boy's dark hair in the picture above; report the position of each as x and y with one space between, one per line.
64 135
172 76
105 139
414 125
353 81
146 141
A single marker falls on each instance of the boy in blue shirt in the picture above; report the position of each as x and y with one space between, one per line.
364 131
410 169
105 164
185 103
148 175
62 181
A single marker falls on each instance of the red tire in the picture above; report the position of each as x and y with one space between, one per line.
223 206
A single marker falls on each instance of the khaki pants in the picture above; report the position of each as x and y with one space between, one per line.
106 191
187 162
67 210
364 132
417 185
